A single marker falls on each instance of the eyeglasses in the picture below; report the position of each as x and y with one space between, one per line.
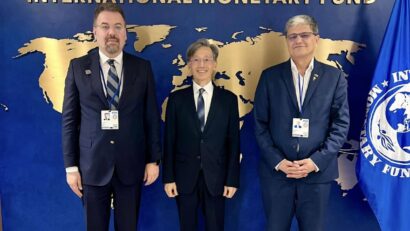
304 36
206 60
105 27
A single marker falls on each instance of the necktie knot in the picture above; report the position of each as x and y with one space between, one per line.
201 91
111 62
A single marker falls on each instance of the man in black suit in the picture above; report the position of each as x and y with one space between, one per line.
301 121
201 152
110 126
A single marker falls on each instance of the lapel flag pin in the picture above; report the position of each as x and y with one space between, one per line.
315 76
87 72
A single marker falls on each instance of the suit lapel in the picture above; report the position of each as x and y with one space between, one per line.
213 108
96 83
288 79
315 78
128 78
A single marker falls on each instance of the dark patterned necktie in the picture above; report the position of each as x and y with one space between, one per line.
200 110
113 90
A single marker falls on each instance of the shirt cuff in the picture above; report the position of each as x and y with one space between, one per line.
277 166
71 169
316 167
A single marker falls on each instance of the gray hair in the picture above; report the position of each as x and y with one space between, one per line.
202 43
302 19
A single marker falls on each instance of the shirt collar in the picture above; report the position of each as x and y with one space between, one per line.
104 58
295 69
209 87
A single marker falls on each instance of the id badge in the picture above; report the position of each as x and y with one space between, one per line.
300 128
109 120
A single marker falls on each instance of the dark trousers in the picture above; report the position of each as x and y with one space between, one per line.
284 199
213 208
97 205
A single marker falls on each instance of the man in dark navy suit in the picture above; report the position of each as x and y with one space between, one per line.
110 126
201 145
301 121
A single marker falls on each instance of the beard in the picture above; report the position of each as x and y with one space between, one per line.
112 47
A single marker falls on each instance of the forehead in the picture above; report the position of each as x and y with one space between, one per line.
109 18
299 28
203 51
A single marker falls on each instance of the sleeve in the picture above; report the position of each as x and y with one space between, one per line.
232 178
70 120
269 153
152 120
169 142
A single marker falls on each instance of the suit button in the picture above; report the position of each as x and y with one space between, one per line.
202 141
198 157
112 142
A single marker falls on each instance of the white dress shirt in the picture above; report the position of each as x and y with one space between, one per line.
302 79
207 95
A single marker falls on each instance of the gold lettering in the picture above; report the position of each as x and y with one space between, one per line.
338 2
206 1
174 1
224 1
282 1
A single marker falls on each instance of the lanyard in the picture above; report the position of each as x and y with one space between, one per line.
300 86
117 91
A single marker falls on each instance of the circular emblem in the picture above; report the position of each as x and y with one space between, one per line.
389 125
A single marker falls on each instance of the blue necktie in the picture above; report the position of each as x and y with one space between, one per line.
113 90
200 110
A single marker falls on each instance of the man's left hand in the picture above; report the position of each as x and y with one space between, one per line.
151 173
306 166
229 191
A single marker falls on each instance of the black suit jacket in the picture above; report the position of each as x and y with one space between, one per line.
188 150
326 107
98 152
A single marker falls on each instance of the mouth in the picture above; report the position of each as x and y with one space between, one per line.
112 40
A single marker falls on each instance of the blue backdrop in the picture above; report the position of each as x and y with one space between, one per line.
33 191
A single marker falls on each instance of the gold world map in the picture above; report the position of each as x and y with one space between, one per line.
242 60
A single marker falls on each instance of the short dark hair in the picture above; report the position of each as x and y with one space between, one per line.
111 7
202 43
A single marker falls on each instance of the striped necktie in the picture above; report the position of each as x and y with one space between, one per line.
113 90
200 110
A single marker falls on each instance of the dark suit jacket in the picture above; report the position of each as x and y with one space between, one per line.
95 151
326 107
215 150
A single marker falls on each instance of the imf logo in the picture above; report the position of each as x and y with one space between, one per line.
385 139
389 122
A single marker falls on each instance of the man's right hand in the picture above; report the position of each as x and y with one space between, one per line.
74 181
291 169
171 189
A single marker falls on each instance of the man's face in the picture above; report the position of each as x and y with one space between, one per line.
301 42
110 33
202 65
